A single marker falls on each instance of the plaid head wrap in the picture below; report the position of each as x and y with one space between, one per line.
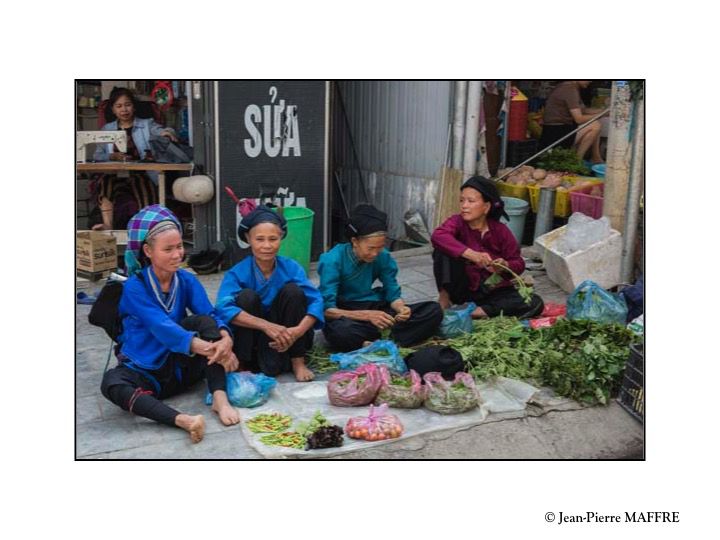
140 225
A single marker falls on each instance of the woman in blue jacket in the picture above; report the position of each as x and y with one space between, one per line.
357 312
161 351
119 198
272 306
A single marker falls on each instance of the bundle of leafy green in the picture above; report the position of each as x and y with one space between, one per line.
582 360
564 160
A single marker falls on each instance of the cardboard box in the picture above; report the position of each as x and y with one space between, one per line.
95 251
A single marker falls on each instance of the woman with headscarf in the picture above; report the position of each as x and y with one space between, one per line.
355 311
470 246
161 351
269 301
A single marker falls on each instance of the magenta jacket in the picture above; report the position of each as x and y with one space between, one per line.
454 236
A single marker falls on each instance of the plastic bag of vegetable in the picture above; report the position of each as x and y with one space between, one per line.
589 301
451 397
457 321
245 389
379 425
354 388
382 352
401 391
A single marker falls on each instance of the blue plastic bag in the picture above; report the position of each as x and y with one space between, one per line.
457 321
382 352
245 389
589 301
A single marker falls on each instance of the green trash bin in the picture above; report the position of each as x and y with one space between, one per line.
517 210
298 241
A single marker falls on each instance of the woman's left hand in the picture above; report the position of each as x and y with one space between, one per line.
493 268
403 314
220 349
295 334
170 135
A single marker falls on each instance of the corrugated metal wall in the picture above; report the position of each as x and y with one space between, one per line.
400 130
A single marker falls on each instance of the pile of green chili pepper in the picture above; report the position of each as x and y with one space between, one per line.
287 439
268 423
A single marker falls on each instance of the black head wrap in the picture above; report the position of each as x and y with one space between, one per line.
366 220
490 193
262 214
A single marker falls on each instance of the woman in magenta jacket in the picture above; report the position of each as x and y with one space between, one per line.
469 246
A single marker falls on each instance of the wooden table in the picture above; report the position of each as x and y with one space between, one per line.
116 166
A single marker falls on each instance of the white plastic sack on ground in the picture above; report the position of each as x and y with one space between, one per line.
583 231
302 400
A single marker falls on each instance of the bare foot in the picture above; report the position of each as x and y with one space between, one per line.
194 425
444 299
479 313
227 413
302 373
100 227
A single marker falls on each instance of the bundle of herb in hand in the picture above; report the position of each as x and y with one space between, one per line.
525 291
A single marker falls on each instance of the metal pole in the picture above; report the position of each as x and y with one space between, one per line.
459 123
545 213
506 123
472 124
633 197
553 145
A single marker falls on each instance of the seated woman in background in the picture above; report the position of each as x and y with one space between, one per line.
355 311
468 248
272 306
565 111
118 197
161 350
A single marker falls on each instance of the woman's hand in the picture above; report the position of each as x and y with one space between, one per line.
118 156
220 349
481 259
295 333
404 314
281 339
379 318
403 311
494 268
230 363
170 135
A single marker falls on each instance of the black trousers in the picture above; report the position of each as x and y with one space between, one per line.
346 334
141 392
450 275
252 347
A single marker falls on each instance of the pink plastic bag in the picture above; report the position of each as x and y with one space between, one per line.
379 425
401 391
354 388
451 397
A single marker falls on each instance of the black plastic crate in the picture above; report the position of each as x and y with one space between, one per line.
632 391
519 151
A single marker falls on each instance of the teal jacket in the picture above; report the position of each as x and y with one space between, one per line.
344 278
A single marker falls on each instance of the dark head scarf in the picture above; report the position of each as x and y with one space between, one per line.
490 193
366 220
262 214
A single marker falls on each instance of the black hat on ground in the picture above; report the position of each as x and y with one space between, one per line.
445 360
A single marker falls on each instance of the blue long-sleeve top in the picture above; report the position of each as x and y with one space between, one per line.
247 275
345 278
150 333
